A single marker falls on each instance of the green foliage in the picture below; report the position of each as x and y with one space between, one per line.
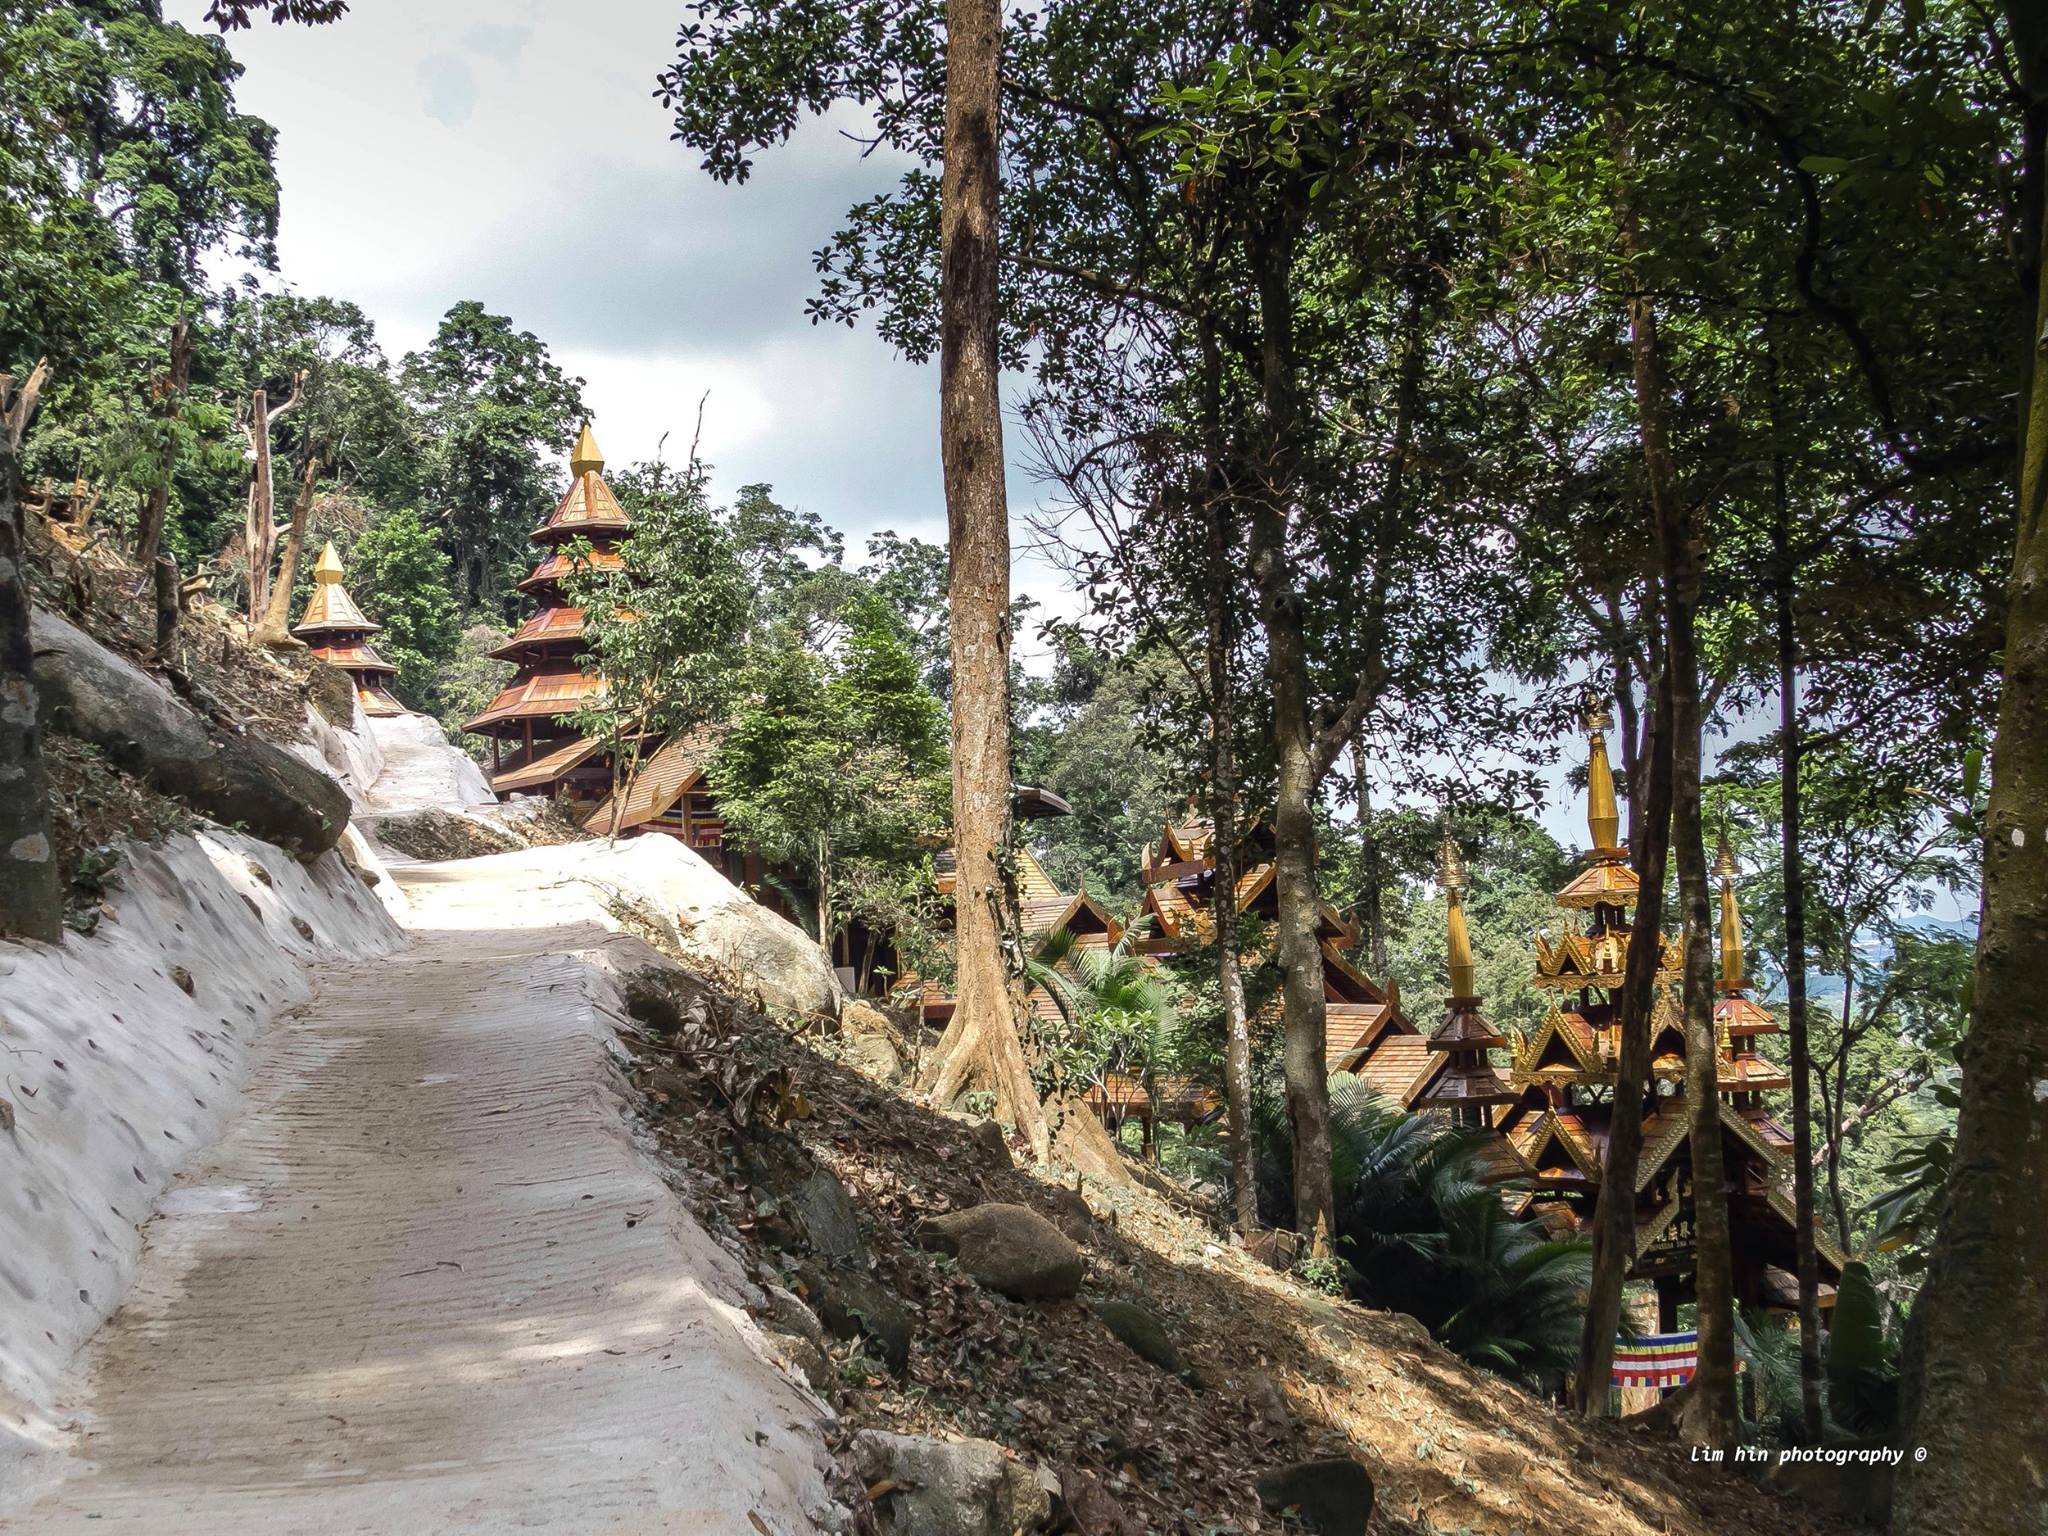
831 758
1862 1367
1425 1233
399 575
912 578
1118 1009
467 683
1085 736
667 627
492 404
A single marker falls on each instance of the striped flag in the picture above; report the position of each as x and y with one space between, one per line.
1655 1360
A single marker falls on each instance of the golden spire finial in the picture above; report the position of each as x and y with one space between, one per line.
328 568
1603 815
1451 876
584 457
1731 919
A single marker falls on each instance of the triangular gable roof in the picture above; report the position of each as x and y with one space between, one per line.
1532 1139
1607 882
676 768
1033 883
1049 914
1563 1029
1671 1129
1352 979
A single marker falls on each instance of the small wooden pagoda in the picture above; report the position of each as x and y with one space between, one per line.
336 631
1461 1081
532 750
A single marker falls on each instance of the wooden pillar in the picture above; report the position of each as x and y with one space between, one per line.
1667 1305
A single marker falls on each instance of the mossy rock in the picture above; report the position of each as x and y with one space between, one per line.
1143 1332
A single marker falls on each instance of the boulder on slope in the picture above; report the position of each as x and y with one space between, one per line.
710 918
240 780
951 1487
1009 1249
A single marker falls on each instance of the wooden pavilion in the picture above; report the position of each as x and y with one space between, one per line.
336 631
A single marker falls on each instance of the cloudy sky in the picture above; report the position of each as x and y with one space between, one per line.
510 151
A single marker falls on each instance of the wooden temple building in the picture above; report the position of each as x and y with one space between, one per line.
336 631
533 750
1554 1108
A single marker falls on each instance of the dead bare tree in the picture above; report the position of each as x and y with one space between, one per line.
259 531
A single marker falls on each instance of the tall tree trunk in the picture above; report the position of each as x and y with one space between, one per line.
823 855
169 606
1710 1417
1305 1020
1839 1099
150 529
261 532
1372 907
1980 1331
275 630
1614 1217
1220 649
1793 875
31 906
1225 831
981 1045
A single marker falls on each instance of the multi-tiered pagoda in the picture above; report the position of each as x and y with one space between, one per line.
1566 1074
532 750
1462 1082
335 630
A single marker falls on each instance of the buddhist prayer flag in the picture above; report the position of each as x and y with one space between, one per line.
1655 1360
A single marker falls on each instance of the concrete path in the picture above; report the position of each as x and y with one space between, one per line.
421 770
427 1283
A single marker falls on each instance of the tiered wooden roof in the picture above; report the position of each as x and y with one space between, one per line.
1565 1076
1179 873
1464 1084
552 681
336 631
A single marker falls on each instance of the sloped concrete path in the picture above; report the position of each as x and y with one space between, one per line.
427 1283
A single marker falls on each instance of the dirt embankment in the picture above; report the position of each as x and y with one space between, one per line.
1274 1373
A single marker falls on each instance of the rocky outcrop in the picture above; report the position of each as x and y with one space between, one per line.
685 905
1331 1496
854 1306
951 1487
240 780
1009 1249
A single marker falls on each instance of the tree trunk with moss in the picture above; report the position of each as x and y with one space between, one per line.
1980 1332
30 902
